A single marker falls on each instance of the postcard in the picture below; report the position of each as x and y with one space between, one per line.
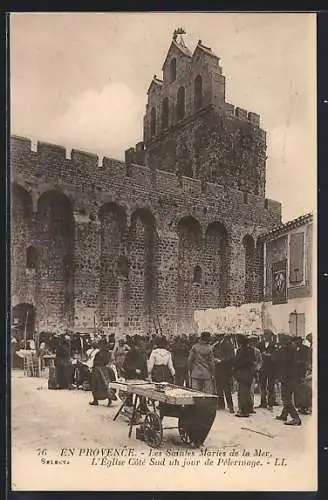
163 251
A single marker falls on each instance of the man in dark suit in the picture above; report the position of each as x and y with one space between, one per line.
180 353
267 373
244 369
288 371
224 355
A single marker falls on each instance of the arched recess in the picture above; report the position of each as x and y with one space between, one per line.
173 70
197 279
165 113
198 92
250 268
31 258
55 232
152 122
259 270
21 235
189 253
217 265
143 270
123 266
112 229
21 200
181 103
23 318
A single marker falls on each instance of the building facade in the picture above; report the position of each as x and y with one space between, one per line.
139 245
288 285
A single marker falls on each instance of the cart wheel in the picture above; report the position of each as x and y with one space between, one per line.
152 429
184 436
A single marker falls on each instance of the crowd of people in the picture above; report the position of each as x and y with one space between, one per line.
279 367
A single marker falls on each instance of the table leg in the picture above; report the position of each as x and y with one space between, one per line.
133 414
119 411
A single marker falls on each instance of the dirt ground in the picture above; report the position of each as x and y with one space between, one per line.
57 420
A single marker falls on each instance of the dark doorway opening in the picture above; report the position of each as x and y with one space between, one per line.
23 316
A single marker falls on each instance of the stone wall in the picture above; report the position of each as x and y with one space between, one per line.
111 252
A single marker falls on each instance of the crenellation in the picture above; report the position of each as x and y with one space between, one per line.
111 168
140 153
90 160
254 118
54 152
111 173
129 155
229 109
21 145
241 113
272 206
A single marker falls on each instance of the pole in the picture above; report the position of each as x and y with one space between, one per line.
82 345
70 345
25 343
154 324
159 326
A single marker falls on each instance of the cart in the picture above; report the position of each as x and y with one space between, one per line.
194 410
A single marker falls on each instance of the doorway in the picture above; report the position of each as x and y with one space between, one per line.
23 316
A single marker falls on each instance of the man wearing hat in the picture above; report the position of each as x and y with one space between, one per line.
258 364
200 364
224 355
244 373
267 373
288 374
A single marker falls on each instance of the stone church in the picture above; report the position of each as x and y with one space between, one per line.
138 246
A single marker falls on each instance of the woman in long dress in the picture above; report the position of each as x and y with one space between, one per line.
62 363
101 376
135 367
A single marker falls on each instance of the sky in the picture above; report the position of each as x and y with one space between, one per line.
80 80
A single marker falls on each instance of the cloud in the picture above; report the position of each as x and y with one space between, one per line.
105 122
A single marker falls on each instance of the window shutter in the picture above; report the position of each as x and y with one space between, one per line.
301 324
297 324
296 259
292 324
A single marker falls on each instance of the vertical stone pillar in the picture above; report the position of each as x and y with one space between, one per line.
259 270
122 304
22 221
168 281
86 272
55 283
236 286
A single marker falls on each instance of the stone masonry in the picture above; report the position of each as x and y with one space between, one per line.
137 245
